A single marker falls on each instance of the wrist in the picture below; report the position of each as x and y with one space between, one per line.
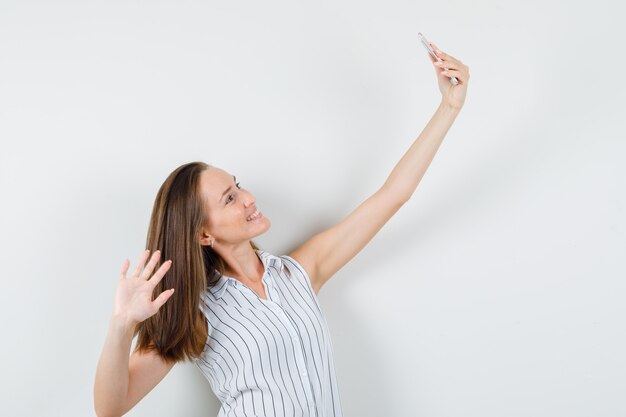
450 107
122 324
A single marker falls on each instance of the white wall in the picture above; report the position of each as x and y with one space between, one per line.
497 290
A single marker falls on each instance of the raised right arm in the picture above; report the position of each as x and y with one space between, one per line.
122 381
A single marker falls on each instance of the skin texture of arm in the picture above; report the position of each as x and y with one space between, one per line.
121 382
328 251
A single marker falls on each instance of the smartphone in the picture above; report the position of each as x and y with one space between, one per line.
430 50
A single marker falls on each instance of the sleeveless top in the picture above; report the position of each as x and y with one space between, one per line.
274 357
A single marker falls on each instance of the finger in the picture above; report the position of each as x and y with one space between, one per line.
140 262
452 64
147 271
449 58
445 56
160 273
453 73
438 51
447 64
162 298
125 266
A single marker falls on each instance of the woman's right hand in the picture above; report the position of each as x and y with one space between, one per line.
133 295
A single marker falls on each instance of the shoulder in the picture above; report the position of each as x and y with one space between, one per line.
306 265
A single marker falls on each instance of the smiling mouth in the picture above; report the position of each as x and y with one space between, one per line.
255 216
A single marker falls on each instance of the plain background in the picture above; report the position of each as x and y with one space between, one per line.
497 290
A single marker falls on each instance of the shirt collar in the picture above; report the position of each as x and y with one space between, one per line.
268 260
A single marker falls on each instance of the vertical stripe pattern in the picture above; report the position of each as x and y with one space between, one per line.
269 358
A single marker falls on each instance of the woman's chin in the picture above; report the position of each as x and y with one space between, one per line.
263 224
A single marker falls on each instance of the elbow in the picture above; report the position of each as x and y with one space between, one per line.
402 196
403 199
103 409
101 413
396 195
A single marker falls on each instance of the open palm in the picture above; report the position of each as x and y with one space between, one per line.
133 295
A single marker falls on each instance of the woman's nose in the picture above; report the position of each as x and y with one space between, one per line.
249 199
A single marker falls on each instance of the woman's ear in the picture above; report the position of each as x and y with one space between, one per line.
206 239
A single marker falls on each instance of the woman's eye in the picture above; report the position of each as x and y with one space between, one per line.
228 199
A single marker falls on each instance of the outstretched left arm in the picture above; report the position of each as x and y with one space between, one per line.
328 251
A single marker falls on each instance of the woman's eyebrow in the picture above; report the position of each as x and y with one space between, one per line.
228 189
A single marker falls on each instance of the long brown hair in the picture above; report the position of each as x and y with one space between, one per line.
178 331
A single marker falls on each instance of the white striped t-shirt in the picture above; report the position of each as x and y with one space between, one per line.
269 358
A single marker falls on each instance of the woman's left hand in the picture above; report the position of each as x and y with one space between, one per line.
453 95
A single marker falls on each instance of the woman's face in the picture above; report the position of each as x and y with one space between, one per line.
228 207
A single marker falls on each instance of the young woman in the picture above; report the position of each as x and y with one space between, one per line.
250 320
